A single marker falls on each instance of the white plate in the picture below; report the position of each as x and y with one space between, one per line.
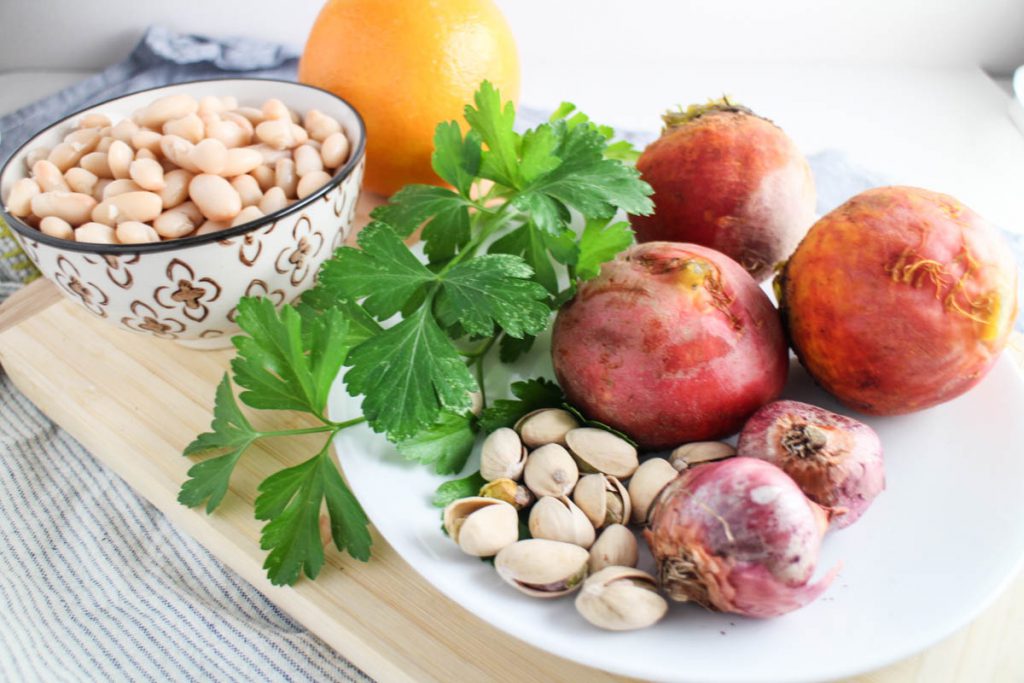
935 548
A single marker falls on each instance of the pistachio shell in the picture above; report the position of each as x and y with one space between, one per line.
542 568
621 599
647 482
596 450
513 493
550 471
481 526
544 426
603 499
559 519
616 546
690 454
502 455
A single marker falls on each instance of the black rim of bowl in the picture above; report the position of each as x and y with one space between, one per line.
27 231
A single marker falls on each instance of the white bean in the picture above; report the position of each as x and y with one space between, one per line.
74 207
246 215
173 224
98 164
147 139
105 213
269 154
119 157
229 133
277 133
19 200
175 189
35 155
167 108
85 138
49 177
285 178
248 189
81 180
307 160
66 154
116 187
273 200
299 135
135 232
311 182
210 105
149 174
215 197
133 206
189 127
275 109
209 156
240 160
103 146
264 175
124 130
146 154
100 187
252 114
211 226
334 150
96 233
178 150
319 125
94 120
190 209
56 227
240 121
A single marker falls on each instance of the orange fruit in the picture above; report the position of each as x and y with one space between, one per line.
407 66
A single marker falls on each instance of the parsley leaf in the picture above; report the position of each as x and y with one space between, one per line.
455 159
530 394
600 243
496 289
209 479
493 123
446 444
291 500
458 488
510 348
527 241
411 206
538 156
406 374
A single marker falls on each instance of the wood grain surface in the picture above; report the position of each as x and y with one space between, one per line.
135 402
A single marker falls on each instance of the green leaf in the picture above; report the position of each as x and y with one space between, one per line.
291 500
493 123
446 444
383 272
446 233
456 160
281 367
413 205
406 374
547 214
511 349
530 394
538 156
496 289
527 241
600 243
208 480
458 488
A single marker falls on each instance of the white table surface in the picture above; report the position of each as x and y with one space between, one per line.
946 129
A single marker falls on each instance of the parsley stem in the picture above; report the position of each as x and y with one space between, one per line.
338 426
490 224
333 427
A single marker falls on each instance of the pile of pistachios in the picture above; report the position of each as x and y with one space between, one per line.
579 488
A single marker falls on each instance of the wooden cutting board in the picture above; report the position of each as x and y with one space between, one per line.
135 402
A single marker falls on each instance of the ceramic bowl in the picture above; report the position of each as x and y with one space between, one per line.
188 289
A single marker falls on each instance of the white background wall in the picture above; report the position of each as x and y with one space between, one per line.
564 34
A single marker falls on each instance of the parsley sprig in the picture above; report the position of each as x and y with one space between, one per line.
526 215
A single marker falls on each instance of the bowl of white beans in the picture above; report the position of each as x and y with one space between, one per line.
159 210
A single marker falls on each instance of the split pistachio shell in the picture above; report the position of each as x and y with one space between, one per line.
548 425
559 519
616 546
502 455
599 451
621 599
550 471
541 567
603 499
695 453
481 526
645 485
513 493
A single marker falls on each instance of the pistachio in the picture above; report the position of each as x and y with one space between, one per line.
481 526
502 456
621 599
647 482
513 493
596 450
541 567
559 519
616 546
548 425
695 453
550 471
603 499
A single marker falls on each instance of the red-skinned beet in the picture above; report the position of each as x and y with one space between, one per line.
670 343
728 179
835 460
738 536
899 299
